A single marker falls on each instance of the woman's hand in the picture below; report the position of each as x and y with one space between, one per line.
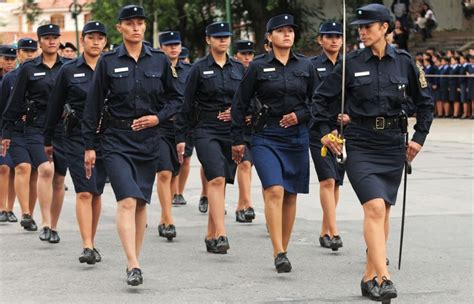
180 150
238 153
289 120
147 121
225 116
333 143
89 162
5 146
412 150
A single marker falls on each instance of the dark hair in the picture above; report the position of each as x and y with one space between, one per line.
445 58
419 54
437 56
456 58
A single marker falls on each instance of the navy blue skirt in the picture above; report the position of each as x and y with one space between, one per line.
131 161
35 145
168 160
6 160
59 154
214 150
375 161
74 152
326 167
453 94
18 149
464 93
188 151
281 157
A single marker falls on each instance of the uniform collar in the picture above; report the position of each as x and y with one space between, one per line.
39 60
80 61
389 50
122 50
325 58
271 56
210 60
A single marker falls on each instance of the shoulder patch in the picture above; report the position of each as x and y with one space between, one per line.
422 78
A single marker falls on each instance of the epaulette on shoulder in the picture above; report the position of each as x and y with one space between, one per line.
403 52
109 52
259 56
354 54
235 61
301 55
157 51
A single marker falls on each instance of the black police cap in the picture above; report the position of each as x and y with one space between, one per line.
70 45
330 28
94 27
372 13
27 44
131 11
280 21
184 53
48 29
218 29
8 51
244 46
170 37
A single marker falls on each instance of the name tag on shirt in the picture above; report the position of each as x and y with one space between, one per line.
39 74
321 69
266 70
79 75
208 72
360 74
120 70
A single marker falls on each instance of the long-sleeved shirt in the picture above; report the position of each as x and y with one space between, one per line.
132 88
208 87
377 88
283 88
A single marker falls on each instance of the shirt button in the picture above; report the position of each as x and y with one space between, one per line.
137 81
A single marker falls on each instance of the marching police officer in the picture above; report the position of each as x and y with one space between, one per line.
168 165
330 172
134 78
25 176
378 80
184 55
211 84
245 52
31 91
283 82
7 191
70 93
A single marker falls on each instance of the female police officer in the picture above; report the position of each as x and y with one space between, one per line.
284 82
378 78
31 91
25 175
133 77
330 172
74 81
211 84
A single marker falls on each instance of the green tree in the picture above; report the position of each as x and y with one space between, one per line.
31 10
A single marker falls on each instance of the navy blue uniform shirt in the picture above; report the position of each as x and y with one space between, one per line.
377 88
133 89
283 88
6 88
34 82
182 68
324 66
210 88
73 83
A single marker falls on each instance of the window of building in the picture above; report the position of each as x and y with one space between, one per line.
58 19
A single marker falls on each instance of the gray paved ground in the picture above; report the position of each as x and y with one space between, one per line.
437 263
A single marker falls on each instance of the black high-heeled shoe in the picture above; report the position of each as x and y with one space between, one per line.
170 232
250 214
161 230
282 263
387 290
222 245
240 217
370 289
210 245
336 243
325 241
134 277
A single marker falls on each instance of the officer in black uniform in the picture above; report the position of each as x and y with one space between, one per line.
245 213
31 91
134 78
25 175
330 172
7 191
283 82
70 93
211 84
184 55
378 80
168 165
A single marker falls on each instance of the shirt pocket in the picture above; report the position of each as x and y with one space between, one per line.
361 89
208 83
152 81
398 86
235 79
302 79
121 83
37 84
79 88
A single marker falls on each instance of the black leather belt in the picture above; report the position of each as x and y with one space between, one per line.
209 115
123 124
274 120
377 123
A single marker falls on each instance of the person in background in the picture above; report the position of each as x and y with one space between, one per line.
69 51
463 86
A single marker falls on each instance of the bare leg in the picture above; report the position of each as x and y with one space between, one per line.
33 192
273 197
22 180
164 194
84 216
328 203
126 227
96 208
4 182
457 107
58 199
288 217
11 191
439 108
45 191
140 226
447 110
216 197
204 183
182 178
244 178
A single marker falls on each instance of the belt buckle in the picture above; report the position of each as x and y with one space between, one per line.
380 123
